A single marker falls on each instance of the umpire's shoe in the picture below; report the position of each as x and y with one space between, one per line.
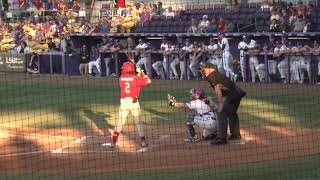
218 141
232 137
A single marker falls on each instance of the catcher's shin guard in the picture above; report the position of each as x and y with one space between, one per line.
191 129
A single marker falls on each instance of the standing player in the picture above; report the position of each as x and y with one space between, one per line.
229 97
205 117
130 85
226 57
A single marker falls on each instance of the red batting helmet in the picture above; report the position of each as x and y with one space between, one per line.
127 67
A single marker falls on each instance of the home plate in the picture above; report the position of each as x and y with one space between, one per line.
58 150
141 150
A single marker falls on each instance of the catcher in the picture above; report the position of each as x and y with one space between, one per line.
204 115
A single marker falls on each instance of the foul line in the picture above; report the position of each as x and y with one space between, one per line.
24 153
39 135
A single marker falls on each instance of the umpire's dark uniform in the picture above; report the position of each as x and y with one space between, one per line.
232 95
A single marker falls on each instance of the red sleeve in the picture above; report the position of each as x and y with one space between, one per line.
141 81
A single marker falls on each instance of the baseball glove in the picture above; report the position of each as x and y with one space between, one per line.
171 100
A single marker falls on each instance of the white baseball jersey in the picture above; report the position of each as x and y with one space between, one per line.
187 48
164 46
213 47
204 23
252 44
241 46
225 42
142 46
200 106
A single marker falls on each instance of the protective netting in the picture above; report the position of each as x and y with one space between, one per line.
53 127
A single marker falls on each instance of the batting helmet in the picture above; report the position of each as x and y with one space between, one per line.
127 67
198 91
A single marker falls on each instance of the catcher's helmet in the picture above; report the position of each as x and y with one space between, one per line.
127 67
198 91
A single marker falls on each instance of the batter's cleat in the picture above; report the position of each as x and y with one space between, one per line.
218 141
191 139
144 143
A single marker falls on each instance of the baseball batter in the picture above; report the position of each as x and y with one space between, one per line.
205 116
130 85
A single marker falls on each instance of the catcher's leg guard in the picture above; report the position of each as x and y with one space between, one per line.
190 124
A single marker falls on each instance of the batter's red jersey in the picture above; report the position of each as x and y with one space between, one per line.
130 85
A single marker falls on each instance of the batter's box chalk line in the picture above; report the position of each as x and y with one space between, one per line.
80 141
243 141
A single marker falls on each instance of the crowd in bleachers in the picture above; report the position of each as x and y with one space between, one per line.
235 17
54 20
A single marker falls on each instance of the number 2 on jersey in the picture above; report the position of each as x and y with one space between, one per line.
127 87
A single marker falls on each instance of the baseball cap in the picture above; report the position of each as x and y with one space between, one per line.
208 65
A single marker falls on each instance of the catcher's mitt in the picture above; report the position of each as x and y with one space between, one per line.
171 100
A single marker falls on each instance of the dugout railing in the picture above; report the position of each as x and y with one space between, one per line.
67 64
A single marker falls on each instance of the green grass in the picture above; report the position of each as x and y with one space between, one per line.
60 104
306 168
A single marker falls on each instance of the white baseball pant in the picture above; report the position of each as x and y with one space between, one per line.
95 63
146 62
208 123
173 65
227 64
158 67
127 106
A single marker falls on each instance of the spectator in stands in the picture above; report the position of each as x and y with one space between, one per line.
23 48
212 27
221 24
300 7
104 25
51 45
232 5
84 60
229 26
274 15
310 10
204 23
193 28
144 16
169 13
75 7
274 26
299 24
160 9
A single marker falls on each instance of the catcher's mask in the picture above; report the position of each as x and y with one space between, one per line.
127 67
197 93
